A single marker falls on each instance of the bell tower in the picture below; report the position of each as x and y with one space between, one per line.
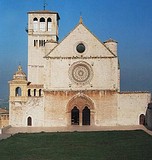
42 28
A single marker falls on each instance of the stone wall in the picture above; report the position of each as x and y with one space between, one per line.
4 120
107 108
103 110
103 69
104 74
19 112
131 105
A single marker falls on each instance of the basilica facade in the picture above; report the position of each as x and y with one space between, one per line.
72 82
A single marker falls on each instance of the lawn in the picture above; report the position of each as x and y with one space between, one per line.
114 145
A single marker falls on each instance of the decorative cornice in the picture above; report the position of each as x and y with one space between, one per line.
133 92
36 86
76 57
44 12
80 91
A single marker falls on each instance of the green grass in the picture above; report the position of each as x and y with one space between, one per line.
114 145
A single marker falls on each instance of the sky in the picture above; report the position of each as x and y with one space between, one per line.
128 22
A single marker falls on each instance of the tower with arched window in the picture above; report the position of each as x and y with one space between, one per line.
18 86
42 32
18 92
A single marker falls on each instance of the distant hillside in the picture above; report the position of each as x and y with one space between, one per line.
4 103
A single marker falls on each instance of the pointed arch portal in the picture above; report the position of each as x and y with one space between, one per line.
86 116
80 110
75 116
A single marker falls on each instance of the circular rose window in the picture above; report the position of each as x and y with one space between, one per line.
80 73
80 48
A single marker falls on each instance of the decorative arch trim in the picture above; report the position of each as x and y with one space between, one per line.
80 101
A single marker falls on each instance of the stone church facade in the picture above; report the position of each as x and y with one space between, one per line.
74 82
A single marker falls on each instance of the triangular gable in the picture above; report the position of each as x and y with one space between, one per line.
80 34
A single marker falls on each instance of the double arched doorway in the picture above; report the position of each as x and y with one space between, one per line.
85 116
80 111
75 116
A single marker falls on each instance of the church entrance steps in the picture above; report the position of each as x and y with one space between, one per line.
14 130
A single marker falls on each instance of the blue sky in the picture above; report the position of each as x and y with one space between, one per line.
127 21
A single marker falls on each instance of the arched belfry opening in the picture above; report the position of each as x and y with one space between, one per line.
49 24
42 24
35 24
18 92
80 111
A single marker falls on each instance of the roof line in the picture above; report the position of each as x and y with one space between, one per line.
44 12
71 32
100 41
62 40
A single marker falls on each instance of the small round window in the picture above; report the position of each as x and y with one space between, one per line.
80 48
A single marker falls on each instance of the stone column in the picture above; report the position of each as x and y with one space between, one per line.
80 118
92 121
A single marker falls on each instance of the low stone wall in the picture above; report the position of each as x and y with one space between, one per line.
3 130
131 105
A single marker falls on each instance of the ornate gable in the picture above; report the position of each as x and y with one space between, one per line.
80 43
